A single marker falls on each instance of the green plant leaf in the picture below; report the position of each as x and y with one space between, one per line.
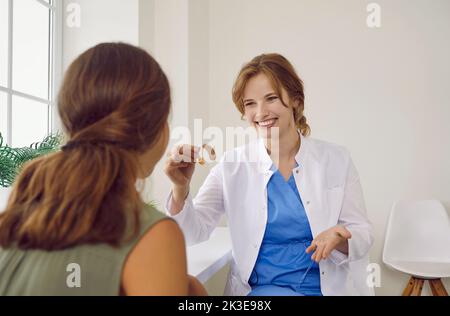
13 159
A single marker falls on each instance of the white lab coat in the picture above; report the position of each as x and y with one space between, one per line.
331 192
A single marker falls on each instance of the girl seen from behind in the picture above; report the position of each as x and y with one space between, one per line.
80 208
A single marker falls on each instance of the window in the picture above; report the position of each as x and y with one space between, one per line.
29 68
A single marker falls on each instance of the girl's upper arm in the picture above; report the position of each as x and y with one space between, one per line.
157 264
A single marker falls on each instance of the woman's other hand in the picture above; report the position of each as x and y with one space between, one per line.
335 238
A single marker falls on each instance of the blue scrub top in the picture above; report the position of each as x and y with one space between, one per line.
283 267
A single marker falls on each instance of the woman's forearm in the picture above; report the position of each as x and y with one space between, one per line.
179 195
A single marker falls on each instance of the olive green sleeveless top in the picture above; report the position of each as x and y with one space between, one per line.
83 270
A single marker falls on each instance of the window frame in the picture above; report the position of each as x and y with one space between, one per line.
55 8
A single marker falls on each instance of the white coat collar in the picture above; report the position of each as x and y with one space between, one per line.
265 162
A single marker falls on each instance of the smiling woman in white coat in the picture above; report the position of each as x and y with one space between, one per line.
294 204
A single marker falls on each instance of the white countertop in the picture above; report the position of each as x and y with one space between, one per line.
209 257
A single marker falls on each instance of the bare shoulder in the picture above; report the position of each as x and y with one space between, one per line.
157 264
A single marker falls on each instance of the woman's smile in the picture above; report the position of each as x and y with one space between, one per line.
267 123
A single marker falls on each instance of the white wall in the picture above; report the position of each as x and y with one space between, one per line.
382 93
4 196
176 33
170 49
101 21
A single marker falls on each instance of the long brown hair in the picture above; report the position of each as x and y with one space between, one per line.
282 74
114 103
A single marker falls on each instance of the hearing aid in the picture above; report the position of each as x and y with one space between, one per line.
211 153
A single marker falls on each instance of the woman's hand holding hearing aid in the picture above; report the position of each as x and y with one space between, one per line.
180 166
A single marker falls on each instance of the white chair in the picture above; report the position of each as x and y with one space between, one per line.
4 195
418 243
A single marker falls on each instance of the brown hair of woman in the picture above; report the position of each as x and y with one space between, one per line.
113 104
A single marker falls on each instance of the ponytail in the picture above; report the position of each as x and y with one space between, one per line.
65 199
